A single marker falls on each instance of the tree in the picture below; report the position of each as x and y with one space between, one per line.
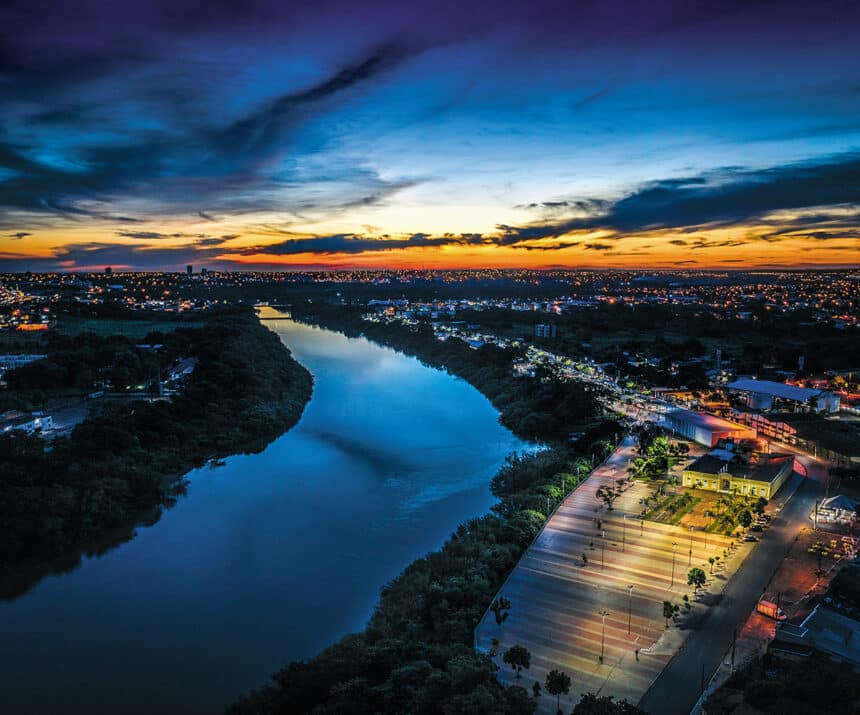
518 657
557 683
536 689
584 559
518 701
500 608
696 578
745 518
759 505
669 610
608 495
591 704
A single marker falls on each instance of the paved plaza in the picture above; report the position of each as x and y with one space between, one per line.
558 600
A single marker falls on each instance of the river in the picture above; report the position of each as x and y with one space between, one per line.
270 557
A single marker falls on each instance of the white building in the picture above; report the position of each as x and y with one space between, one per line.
764 395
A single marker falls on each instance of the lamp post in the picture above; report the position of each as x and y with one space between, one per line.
674 549
691 547
603 550
603 615
642 525
629 608
624 534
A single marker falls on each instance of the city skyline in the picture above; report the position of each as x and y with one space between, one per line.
282 136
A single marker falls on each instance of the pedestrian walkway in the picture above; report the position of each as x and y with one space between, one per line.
559 600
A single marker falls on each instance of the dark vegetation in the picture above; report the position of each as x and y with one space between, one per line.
546 410
81 364
126 458
771 684
416 654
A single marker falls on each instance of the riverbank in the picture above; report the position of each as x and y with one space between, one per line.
544 410
416 654
59 502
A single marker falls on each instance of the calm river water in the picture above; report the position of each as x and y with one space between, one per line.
269 558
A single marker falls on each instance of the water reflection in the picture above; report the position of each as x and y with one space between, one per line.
272 556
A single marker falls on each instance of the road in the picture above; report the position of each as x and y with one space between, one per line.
678 687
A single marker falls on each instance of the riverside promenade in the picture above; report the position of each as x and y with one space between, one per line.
559 601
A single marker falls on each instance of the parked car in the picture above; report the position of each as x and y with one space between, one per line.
757 527
750 537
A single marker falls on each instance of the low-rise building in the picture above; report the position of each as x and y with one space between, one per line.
705 429
824 630
765 395
14 420
835 440
724 471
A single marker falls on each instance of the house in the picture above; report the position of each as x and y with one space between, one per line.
723 471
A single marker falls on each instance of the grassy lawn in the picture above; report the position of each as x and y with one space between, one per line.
135 329
671 508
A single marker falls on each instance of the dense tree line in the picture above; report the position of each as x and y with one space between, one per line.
416 654
245 391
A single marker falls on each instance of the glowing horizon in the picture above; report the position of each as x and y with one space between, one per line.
280 135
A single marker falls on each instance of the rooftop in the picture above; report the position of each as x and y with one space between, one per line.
702 420
776 389
715 463
827 631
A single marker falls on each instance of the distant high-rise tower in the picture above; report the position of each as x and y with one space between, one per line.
189 269
719 359
108 270
801 361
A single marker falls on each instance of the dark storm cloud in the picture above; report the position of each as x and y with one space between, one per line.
191 166
353 243
19 235
597 247
722 198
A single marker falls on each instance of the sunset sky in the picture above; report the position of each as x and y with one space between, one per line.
273 134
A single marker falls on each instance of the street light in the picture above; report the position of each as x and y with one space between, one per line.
603 615
603 550
624 534
691 547
674 549
629 608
